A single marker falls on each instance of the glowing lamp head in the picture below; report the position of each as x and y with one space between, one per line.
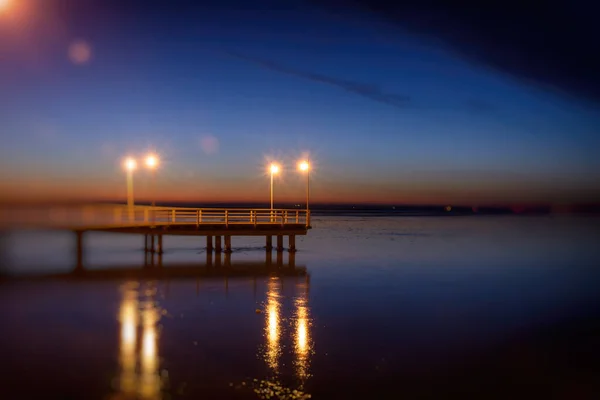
274 168
151 161
130 164
304 166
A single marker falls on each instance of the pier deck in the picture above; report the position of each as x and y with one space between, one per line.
154 222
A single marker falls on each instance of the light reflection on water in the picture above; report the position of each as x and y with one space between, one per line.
303 345
277 330
143 382
273 328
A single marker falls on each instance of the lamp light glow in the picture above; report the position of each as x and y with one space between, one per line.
151 161
130 164
303 166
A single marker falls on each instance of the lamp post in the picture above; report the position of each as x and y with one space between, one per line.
152 164
130 165
274 170
305 167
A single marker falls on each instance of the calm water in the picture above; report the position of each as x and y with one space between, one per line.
390 308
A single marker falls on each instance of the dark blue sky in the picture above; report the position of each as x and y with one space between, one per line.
384 111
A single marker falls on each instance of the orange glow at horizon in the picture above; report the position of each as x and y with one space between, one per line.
106 185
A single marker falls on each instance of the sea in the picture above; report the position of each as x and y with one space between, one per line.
369 307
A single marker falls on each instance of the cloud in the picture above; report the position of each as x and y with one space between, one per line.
371 92
209 144
541 44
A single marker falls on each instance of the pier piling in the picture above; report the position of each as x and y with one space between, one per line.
160 245
269 245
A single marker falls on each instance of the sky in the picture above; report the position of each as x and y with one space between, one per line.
398 104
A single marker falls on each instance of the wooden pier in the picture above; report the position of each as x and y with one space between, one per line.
217 225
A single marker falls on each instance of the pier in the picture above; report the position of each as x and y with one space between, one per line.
216 226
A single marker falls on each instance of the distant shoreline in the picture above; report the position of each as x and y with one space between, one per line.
355 210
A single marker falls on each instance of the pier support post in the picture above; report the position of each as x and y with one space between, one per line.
279 243
227 244
292 259
152 249
217 259
160 245
269 245
227 259
218 244
146 243
79 250
209 244
209 258
279 259
292 243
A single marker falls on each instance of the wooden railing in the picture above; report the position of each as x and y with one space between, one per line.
121 215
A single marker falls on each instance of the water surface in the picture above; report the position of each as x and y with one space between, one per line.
389 307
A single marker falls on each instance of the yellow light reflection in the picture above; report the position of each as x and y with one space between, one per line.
149 379
273 328
302 338
146 383
129 320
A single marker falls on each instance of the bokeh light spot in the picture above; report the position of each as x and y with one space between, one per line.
80 52
209 144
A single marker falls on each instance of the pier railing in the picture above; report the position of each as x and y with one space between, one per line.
103 215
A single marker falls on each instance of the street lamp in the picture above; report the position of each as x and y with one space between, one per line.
274 170
304 166
130 166
152 164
